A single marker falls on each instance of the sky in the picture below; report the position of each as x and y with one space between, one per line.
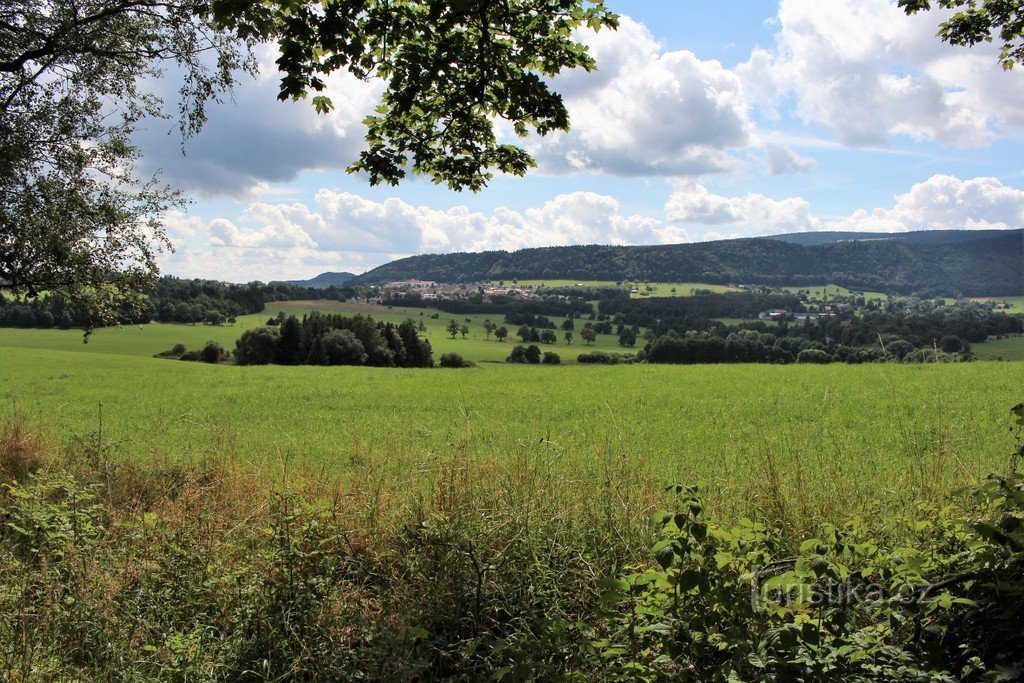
703 121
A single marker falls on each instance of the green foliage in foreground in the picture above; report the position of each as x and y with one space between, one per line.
112 572
724 602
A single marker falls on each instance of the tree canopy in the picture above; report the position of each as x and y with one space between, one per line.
980 21
74 82
451 69
76 77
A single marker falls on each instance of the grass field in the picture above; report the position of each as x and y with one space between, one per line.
1016 302
1007 348
821 292
803 443
146 340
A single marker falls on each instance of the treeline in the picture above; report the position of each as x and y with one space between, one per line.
170 300
940 335
985 264
648 311
320 339
476 305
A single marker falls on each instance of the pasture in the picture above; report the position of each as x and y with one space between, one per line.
798 443
1007 348
147 340
1016 302
825 292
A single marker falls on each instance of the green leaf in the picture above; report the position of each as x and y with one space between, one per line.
665 556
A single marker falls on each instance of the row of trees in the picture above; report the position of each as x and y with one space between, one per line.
320 339
169 300
750 346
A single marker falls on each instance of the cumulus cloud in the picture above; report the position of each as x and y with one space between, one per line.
252 140
866 71
781 160
753 214
345 231
944 202
647 111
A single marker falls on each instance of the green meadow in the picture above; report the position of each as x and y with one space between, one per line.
1007 348
823 292
802 442
147 340
1016 302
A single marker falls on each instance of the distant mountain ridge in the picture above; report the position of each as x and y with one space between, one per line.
325 280
932 263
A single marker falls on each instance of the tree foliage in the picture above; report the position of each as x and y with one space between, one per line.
980 21
451 68
75 79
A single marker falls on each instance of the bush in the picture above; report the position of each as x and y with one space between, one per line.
524 354
454 360
257 346
848 607
191 356
551 358
212 353
602 358
174 352
341 347
813 356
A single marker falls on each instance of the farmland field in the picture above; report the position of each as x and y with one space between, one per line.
1016 302
807 442
1007 348
824 291
147 340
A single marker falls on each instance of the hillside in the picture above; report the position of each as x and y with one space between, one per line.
324 280
970 263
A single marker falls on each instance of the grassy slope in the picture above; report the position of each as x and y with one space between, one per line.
808 440
817 292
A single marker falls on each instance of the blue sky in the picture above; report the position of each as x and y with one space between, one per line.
704 121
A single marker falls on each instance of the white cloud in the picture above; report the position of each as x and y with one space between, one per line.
349 232
253 140
753 214
944 202
866 71
781 160
647 111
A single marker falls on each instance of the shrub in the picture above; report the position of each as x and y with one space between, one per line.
847 607
551 358
174 352
212 353
257 346
454 360
191 356
341 347
813 356
602 358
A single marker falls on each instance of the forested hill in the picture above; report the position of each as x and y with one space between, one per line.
982 263
324 280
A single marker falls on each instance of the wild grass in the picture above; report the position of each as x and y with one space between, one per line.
800 444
